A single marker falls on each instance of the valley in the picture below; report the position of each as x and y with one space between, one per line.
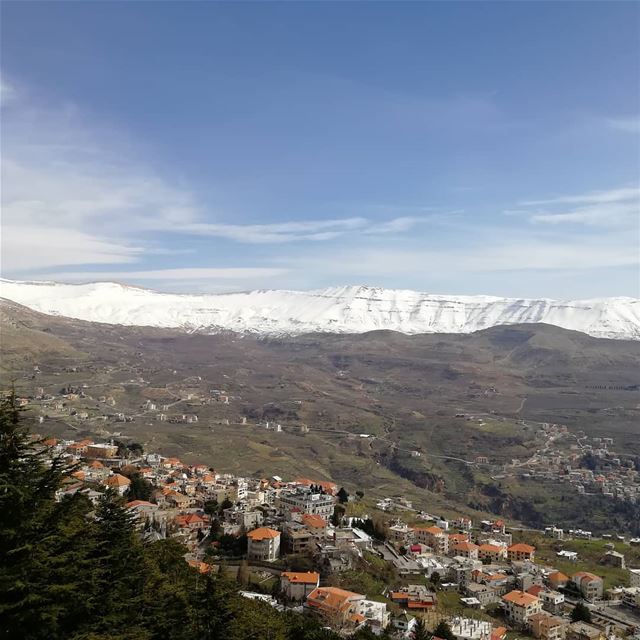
454 423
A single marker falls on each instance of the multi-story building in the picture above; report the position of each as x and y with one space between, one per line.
631 597
101 451
552 601
299 540
304 500
401 535
519 606
491 553
465 550
263 544
316 525
548 627
590 585
520 552
243 517
434 537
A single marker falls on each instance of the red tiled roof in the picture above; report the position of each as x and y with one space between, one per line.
519 598
263 533
308 577
521 547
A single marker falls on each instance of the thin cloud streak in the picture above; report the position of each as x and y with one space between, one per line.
187 273
593 197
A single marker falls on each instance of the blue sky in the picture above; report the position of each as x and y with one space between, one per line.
446 147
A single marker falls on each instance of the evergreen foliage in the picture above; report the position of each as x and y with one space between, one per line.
420 631
443 630
581 613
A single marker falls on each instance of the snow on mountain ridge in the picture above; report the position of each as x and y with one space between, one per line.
347 309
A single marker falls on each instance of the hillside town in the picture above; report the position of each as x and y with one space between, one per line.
586 465
307 545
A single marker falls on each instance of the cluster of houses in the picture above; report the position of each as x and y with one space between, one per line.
562 460
279 518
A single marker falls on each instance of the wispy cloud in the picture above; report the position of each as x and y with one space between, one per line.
277 232
592 197
188 273
628 125
7 91
76 193
618 207
506 252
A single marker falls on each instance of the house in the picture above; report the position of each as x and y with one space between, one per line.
375 614
316 525
191 522
454 538
557 580
491 553
634 577
336 607
120 484
583 631
298 540
465 550
306 500
552 601
500 582
177 500
589 585
483 593
415 597
243 517
520 551
297 586
101 451
400 534
535 590
548 627
519 606
142 508
614 559
631 597
434 537
263 544
404 625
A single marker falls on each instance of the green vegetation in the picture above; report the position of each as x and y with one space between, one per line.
581 613
443 630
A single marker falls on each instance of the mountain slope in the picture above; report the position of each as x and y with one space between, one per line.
333 310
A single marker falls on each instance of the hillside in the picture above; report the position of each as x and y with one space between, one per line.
407 392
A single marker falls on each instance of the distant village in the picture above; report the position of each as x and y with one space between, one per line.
297 537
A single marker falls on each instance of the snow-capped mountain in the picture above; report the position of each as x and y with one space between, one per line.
335 310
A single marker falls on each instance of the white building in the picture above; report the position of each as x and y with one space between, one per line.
263 544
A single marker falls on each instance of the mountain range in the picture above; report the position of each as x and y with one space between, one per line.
348 309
